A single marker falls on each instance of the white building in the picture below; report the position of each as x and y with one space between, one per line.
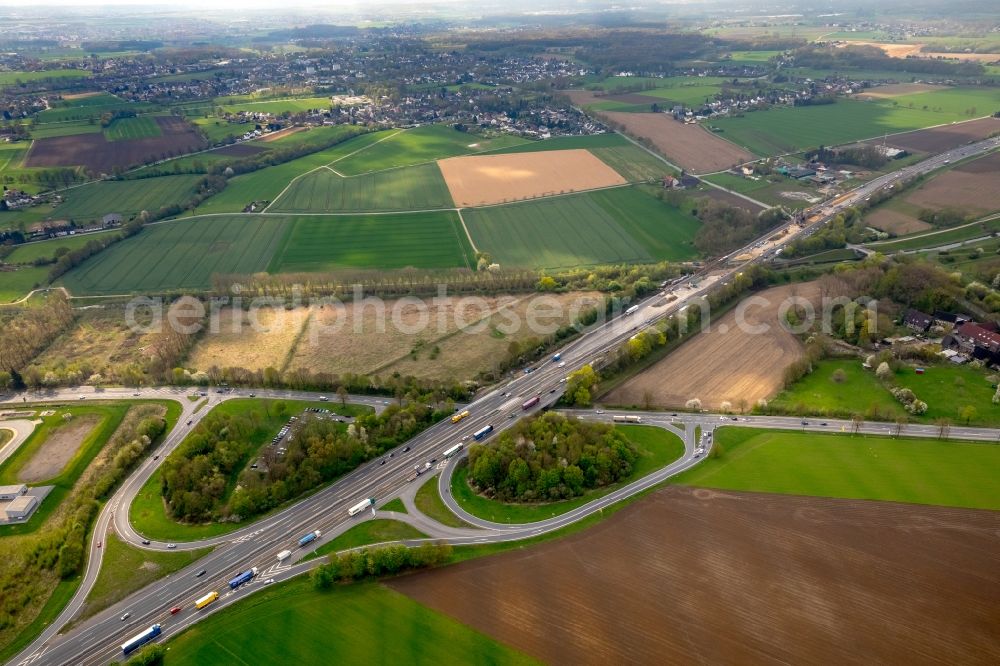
12 492
19 508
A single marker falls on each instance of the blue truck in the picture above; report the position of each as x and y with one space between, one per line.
137 642
312 536
244 577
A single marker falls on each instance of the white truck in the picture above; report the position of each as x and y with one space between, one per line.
284 555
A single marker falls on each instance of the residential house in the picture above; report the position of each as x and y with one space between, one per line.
915 320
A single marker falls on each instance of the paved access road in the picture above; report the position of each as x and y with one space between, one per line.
95 640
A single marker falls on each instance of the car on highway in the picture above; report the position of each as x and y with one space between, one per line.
83 397
200 573
190 421
145 542
268 581
136 393
171 545
562 365
99 543
253 395
126 616
175 610
156 457
405 449
323 398
381 462
823 423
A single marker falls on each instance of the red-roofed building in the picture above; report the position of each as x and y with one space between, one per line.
972 336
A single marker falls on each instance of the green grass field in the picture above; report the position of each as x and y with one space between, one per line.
792 129
609 226
15 284
25 254
13 78
148 514
126 569
428 501
853 466
94 200
132 128
946 389
420 240
367 533
218 129
633 163
65 128
409 188
182 254
936 239
276 106
421 144
361 624
266 184
394 505
657 448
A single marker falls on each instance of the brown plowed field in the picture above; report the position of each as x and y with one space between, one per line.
940 139
99 155
480 180
724 363
895 222
693 576
971 186
689 146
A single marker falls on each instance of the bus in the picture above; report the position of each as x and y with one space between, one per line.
458 417
139 640
206 600
453 450
361 506
482 432
621 418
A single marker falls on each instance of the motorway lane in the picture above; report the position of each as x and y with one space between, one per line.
588 348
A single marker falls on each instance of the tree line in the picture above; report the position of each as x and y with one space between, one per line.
550 457
374 562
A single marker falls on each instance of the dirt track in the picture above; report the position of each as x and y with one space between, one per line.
693 576
725 363
690 146
478 180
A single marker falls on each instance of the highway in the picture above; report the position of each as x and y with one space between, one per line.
96 640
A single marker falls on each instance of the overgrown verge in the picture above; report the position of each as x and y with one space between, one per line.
373 562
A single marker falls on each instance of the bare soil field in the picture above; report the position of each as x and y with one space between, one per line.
695 576
238 150
261 340
689 146
968 190
280 134
94 152
480 180
443 338
82 95
940 139
891 50
58 449
730 198
988 164
725 363
897 90
895 222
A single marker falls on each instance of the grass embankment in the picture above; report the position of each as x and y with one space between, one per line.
148 514
394 505
657 448
126 569
361 624
948 391
109 417
369 532
918 471
429 503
